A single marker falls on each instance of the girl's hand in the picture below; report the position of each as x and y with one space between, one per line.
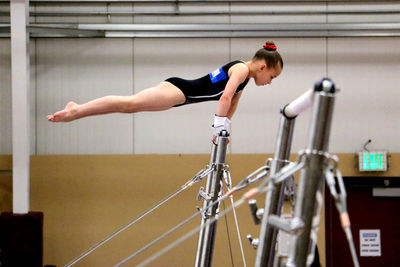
220 123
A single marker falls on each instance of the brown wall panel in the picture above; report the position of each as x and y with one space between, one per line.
87 197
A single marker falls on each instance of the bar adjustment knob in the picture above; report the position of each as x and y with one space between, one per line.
253 241
256 213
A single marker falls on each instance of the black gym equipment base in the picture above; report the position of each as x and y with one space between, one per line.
21 239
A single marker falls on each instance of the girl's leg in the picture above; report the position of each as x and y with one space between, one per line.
161 97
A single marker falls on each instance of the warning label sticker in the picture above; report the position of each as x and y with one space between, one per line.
370 243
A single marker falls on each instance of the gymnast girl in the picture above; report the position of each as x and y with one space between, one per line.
225 85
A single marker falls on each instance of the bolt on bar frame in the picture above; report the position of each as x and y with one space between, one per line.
274 197
206 240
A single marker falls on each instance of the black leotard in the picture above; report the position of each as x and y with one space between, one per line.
208 87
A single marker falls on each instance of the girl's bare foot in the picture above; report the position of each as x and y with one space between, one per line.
65 115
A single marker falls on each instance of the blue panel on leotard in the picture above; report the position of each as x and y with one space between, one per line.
218 75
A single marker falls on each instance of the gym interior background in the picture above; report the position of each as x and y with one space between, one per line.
91 176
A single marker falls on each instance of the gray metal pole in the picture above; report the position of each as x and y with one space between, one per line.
274 198
205 245
208 185
21 132
312 177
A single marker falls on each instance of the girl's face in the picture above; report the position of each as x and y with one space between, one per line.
265 75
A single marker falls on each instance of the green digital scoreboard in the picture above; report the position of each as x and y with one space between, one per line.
372 161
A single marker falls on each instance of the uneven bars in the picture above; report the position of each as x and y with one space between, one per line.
299 105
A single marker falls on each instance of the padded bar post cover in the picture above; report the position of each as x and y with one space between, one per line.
21 239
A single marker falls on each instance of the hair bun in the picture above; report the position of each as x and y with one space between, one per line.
270 47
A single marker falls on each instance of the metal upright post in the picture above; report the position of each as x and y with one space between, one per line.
274 197
312 177
275 191
20 75
205 245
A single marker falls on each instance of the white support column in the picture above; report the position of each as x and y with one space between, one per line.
20 104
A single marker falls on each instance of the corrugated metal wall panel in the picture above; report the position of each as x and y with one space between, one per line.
184 129
256 124
71 69
5 97
367 71
80 70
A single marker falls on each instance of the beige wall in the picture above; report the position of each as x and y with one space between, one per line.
82 69
85 198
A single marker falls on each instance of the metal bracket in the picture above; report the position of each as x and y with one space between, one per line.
253 241
227 176
255 212
203 194
200 175
293 226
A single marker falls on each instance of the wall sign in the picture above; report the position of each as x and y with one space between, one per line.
372 161
370 243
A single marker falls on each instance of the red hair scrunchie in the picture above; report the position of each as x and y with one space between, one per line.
271 47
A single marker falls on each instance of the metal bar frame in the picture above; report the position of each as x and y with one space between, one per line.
206 13
275 191
64 31
307 207
199 1
206 239
230 27
274 197
211 31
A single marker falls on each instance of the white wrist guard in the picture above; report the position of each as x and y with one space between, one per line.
220 123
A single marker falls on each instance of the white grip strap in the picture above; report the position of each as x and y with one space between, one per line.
220 123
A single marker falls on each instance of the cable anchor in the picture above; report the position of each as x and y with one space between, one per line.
254 242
